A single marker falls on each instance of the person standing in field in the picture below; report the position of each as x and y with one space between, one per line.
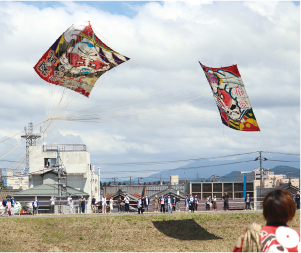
187 204
226 201
208 202
178 204
12 202
196 203
104 204
248 202
146 203
70 205
83 204
93 204
52 204
140 205
127 203
191 203
214 204
111 204
156 200
119 203
162 203
169 204
4 205
35 205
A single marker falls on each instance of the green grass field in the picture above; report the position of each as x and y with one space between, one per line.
215 232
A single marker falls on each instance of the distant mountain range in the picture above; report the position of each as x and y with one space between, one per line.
227 170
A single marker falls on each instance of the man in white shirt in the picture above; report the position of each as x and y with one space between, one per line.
127 203
104 204
140 205
162 203
169 204
52 203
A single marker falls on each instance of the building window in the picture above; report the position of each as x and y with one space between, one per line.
217 187
207 187
196 187
238 186
49 162
228 187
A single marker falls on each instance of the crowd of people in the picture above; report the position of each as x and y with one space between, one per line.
161 204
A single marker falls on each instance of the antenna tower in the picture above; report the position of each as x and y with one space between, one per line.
30 138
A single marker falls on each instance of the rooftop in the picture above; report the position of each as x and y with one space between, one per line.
64 147
48 190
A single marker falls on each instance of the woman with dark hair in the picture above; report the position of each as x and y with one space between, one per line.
278 209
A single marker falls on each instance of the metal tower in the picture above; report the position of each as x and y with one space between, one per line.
30 141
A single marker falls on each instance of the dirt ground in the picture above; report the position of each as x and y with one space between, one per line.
205 232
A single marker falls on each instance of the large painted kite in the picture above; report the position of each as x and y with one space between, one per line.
77 59
231 98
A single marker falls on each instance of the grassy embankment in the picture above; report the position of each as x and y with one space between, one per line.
179 232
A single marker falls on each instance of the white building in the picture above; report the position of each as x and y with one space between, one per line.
174 179
16 181
254 175
76 161
269 180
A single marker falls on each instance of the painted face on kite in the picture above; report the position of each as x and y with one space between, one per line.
77 59
84 59
231 98
228 104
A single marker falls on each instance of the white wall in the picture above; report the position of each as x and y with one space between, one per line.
13 182
77 165
73 161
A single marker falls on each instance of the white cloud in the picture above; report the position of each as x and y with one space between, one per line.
164 41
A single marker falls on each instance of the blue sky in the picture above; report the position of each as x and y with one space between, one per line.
125 8
115 7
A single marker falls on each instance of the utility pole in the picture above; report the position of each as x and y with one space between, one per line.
261 183
138 180
114 178
261 169
130 180
59 179
197 177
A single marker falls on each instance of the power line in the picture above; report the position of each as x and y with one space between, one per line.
284 161
281 153
186 168
174 161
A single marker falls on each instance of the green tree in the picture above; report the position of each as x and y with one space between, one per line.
119 183
109 183
104 184
124 183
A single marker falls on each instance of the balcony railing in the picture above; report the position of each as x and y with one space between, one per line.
64 147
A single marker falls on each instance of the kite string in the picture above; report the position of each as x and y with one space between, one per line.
225 137
266 147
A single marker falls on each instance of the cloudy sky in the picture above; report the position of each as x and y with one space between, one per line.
158 106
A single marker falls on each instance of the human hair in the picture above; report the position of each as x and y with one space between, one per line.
278 205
